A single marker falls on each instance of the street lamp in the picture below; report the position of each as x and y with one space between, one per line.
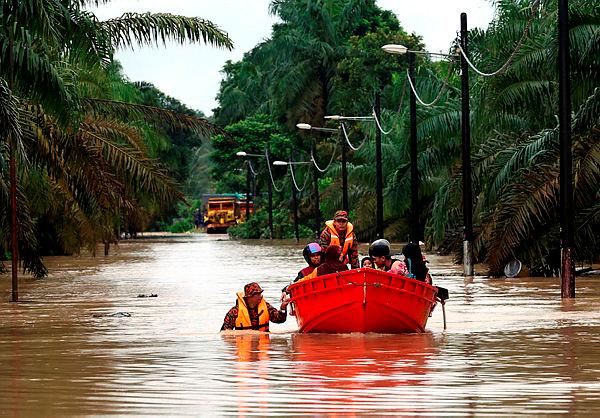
467 201
315 189
269 189
345 200
294 196
415 229
378 160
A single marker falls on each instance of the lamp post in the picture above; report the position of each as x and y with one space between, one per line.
378 160
466 153
269 189
295 200
567 265
415 229
345 200
465 136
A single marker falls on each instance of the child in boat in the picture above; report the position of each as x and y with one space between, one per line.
366 262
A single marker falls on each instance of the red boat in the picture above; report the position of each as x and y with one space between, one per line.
362 300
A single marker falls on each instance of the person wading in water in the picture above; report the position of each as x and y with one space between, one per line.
341 232
252 312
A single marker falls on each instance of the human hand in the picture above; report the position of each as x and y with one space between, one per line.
285 300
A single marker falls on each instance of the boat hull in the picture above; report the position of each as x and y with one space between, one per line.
362 300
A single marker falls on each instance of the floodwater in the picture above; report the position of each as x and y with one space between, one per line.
82 342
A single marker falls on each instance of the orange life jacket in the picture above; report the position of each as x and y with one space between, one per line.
243 318
335 239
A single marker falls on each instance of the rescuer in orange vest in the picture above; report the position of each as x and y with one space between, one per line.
339 231
252 312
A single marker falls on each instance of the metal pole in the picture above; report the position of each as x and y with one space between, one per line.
378 169
345 204
248 174
270 190
415 229
13 191
468 269
566 161
316 195
14 222
295 209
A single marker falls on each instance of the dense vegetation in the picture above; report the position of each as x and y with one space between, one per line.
85 143
92 154
324 57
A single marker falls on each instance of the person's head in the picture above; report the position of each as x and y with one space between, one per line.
414 260
252 294
366 263
333 253
412 250
340 220
312 254
380 252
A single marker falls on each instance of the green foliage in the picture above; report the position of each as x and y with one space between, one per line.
83 138
252 135
258 226
516 156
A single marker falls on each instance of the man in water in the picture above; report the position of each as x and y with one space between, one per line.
339 231
252 312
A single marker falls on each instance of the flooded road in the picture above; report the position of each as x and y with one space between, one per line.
82 342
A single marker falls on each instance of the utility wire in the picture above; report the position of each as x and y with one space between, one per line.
291 164
254 173
509 61
445 86
322 170
348 139
379 125
271 172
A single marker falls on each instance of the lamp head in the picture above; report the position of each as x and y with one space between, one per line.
304 126
241 154
395 49
279 163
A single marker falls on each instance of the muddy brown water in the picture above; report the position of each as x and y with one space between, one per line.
81 342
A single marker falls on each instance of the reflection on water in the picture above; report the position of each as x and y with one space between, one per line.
512 346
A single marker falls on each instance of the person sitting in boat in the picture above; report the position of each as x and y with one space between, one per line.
331 264
414 264
380 253
366 263
339 231
252 312
312 253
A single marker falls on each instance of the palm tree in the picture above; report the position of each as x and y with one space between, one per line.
515 133
78 139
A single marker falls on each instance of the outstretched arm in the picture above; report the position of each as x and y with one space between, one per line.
229 321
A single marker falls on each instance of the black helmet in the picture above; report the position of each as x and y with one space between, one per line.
380 248
311 249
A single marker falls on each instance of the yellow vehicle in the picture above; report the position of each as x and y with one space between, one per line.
223 211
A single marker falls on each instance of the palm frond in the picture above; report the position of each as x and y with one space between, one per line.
152 29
